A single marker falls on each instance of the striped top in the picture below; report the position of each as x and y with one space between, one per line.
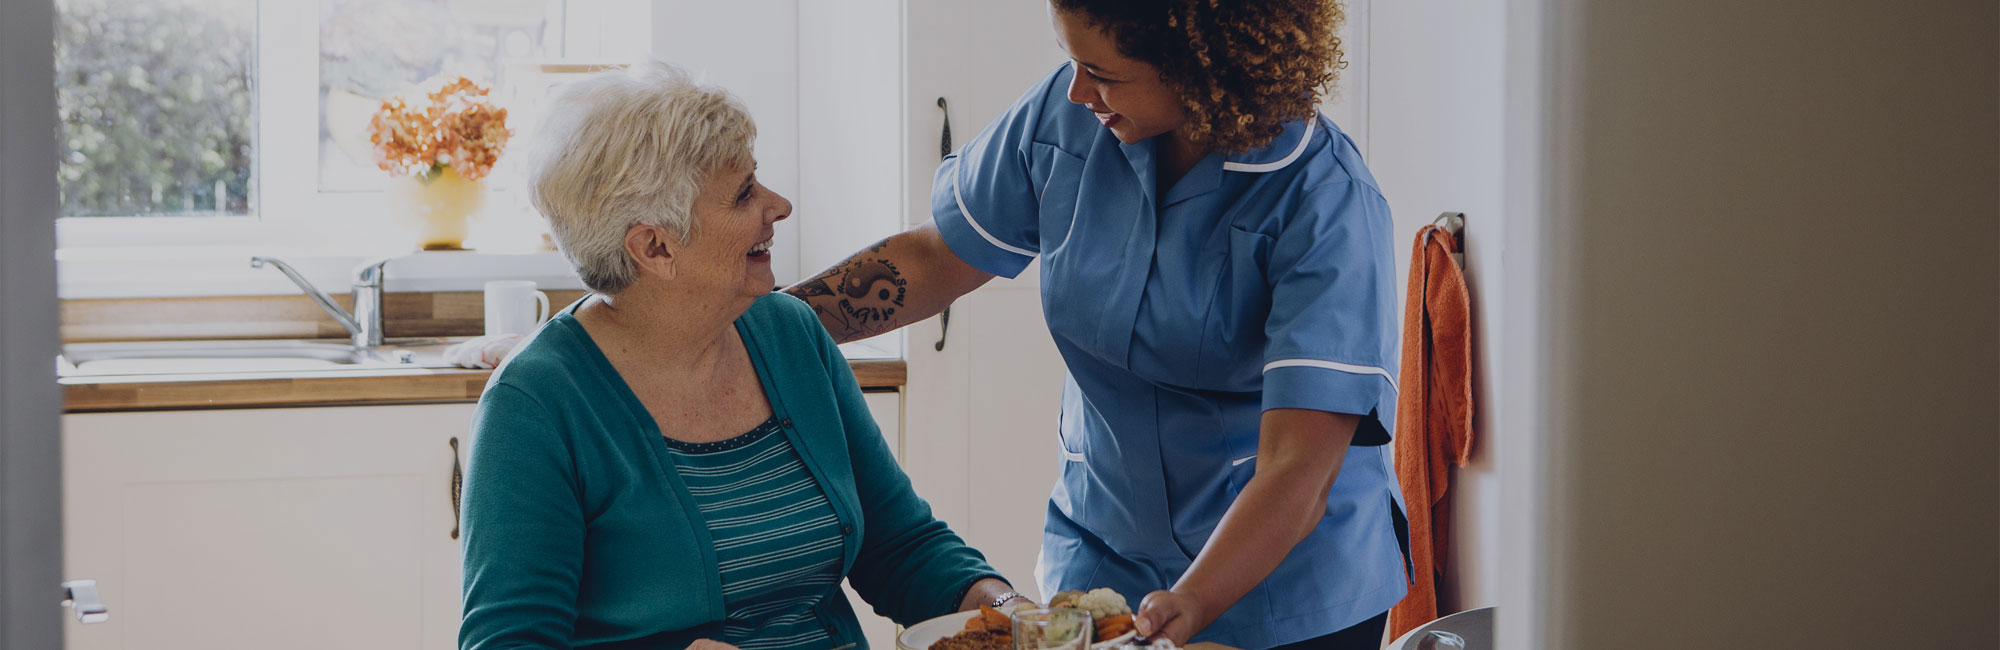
777 540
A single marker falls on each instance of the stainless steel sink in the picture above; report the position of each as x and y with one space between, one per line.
248 356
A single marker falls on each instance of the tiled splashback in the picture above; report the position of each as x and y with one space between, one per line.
409 314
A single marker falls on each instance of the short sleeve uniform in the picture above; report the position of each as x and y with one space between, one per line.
1260 280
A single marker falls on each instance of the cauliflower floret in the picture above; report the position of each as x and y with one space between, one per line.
1065 599
1103 603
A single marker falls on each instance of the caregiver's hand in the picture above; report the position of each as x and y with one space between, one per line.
1169 615
710 644
1298 458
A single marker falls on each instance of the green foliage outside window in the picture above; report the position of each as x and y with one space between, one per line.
158 107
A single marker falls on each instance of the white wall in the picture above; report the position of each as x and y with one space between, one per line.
1519 381
824 83
849 128
1435 72
1772 231
750 47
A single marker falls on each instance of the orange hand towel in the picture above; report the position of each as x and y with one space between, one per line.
1433 414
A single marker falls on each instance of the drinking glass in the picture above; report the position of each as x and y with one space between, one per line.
1052 629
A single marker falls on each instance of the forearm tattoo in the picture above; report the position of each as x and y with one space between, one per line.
859 297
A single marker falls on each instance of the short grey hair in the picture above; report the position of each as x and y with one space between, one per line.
630 147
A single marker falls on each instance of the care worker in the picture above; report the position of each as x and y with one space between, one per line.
1217 274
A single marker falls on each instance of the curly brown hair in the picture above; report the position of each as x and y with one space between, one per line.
1242 68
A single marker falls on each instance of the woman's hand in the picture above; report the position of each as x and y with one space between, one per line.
984 591
1170 615
710 644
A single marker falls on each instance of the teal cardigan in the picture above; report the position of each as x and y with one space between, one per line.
580 533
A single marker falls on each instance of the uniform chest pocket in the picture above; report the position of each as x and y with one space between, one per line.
1074 273
1232 340
1057 178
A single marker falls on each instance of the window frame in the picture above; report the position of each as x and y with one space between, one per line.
278 72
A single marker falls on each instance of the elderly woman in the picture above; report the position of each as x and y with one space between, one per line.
683 458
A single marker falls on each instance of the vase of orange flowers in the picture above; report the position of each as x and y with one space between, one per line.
440 153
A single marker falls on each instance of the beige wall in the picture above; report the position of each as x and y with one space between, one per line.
1773 407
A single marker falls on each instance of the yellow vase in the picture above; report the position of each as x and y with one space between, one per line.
439 206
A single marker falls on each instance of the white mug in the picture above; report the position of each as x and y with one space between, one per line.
514 307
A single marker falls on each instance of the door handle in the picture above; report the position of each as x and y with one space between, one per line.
81 595
457 487
944 151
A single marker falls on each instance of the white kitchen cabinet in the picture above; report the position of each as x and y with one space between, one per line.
887 407
296 528
301 528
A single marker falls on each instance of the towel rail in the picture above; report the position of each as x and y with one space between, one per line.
1452 223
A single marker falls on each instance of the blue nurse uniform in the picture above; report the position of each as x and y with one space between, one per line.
1261 280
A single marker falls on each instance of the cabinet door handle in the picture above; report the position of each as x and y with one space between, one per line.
944 151
81 595
457 486
944 140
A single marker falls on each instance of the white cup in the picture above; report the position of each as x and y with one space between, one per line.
514 307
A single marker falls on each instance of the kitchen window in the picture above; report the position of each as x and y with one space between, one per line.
242 123
824 81
157 106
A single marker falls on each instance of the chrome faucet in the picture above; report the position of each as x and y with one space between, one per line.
365 324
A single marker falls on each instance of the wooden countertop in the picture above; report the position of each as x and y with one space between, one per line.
411 314
330 388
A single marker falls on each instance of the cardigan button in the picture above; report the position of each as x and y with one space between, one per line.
847 529
786 423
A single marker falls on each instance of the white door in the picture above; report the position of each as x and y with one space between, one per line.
980 430
297 528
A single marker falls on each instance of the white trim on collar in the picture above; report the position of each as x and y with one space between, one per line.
1280 164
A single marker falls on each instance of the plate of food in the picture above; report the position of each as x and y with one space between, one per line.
988 628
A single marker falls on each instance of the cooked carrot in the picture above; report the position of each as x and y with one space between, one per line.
1111 627
996 620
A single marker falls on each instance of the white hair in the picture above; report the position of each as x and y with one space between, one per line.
630 147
